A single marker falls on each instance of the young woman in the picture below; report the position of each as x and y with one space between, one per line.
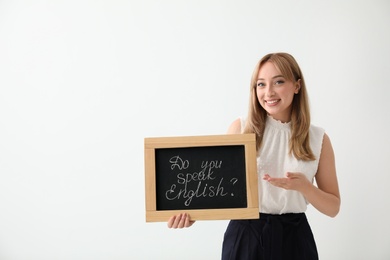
291 154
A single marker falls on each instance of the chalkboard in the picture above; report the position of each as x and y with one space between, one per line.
208 177
201 177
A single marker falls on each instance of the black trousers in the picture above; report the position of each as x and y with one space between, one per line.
272 237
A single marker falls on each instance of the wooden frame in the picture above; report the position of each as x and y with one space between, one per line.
247 140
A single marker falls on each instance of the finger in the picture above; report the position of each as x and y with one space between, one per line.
171 221
177 221
187 222
292 175
277 180
182 220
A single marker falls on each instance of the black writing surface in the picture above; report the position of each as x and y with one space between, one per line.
211 177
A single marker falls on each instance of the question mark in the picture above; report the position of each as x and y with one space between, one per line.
234 180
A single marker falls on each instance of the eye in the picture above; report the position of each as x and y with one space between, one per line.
260 84
279 82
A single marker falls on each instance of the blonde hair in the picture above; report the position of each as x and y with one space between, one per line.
299 144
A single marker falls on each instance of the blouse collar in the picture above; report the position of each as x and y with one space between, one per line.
277 123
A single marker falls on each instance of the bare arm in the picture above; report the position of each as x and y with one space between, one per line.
235 127
326 197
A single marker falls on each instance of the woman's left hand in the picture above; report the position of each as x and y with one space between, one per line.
293 181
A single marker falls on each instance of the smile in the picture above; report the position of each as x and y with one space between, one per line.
270 102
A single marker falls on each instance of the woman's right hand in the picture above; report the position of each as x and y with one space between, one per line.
180 221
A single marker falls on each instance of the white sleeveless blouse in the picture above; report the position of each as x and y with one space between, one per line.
275 160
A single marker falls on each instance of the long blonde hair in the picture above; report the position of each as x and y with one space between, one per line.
299 144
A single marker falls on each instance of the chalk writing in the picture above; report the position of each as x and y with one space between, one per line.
200 177
202 188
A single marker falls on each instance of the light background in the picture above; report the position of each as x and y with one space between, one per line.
82 83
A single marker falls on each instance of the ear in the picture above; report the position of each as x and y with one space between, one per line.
297 86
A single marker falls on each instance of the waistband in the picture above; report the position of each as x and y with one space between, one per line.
283 217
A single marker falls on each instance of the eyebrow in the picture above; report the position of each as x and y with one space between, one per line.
277 76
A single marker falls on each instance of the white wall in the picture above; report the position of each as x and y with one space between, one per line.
82 83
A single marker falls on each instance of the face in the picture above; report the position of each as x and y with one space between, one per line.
275 93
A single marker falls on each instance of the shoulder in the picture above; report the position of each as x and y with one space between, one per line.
320 141
235 127
317 131
327 145
317 137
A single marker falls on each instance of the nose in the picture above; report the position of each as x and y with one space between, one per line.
270 92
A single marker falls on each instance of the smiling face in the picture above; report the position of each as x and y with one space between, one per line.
275 93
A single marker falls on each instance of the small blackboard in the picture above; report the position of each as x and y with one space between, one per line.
201 177
208 177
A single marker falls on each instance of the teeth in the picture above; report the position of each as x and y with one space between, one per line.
271 101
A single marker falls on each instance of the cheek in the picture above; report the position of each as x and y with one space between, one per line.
260 100
292 95
288 94
259 96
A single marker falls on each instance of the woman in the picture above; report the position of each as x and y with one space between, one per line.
291 154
